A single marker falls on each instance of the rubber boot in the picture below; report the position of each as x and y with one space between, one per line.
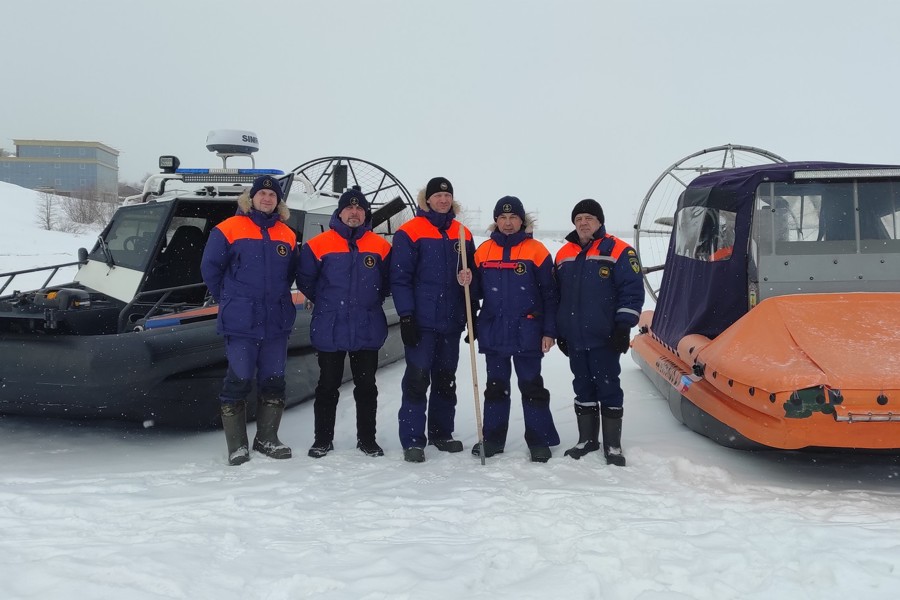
490 449
234 422
612 441
268 419
588 436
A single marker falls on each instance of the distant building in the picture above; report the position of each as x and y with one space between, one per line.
67 168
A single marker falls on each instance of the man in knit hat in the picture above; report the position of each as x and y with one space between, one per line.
256 313
601 297
516 327
344 272
426 286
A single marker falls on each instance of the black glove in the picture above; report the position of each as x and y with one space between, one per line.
621 338
563 345
409 331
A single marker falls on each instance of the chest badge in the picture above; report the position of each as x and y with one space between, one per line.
520 268
604 272
281 249
369 261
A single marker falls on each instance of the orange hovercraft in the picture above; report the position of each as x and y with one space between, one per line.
777 321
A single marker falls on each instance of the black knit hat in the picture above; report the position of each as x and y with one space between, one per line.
438 184
509 204
354 197
588 206
267 182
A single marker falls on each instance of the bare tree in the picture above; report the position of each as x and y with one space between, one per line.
45 216
82 207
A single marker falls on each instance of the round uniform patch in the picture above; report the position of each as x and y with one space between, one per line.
456 247
520 269
507 208
604 271
281 249
369 261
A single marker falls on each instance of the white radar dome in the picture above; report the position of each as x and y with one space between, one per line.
232 141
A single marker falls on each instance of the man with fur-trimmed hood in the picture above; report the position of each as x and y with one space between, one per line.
426 285
516 327
249 265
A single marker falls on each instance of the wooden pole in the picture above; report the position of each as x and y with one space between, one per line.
469 329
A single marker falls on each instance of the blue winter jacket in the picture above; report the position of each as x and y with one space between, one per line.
249 265
600 285
424 265
345 273
519 296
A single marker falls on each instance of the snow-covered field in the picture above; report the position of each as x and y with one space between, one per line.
97 511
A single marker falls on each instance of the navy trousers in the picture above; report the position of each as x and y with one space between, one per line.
248 356
432 362
539 427
596 382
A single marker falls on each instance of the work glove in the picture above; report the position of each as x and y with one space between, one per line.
409 331
563 345
621 338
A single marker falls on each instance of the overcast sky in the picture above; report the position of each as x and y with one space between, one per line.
552 101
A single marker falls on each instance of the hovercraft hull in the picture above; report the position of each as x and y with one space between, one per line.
170 373
801 371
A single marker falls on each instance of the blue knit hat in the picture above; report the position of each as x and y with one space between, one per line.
267 182
509 204
354 197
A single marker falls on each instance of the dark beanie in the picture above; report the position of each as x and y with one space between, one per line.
353 197
509 204
438 184
267 182
591 207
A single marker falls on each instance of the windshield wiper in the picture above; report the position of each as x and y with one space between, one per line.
106 252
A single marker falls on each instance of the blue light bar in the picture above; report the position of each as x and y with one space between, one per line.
231 171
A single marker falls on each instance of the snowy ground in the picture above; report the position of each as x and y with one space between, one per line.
105 510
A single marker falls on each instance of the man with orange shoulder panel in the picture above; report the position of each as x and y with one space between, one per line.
249 265
426 283
517 324
344 272
601 296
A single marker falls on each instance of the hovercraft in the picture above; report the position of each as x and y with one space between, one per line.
133 335
777 322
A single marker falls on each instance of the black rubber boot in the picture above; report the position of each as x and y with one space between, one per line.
268 419
588 436
490 449
414 455
450 445
540 454
612 441
234 422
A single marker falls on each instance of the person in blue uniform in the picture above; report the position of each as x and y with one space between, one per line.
249 265
344 273
601 296
515 328
426 286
